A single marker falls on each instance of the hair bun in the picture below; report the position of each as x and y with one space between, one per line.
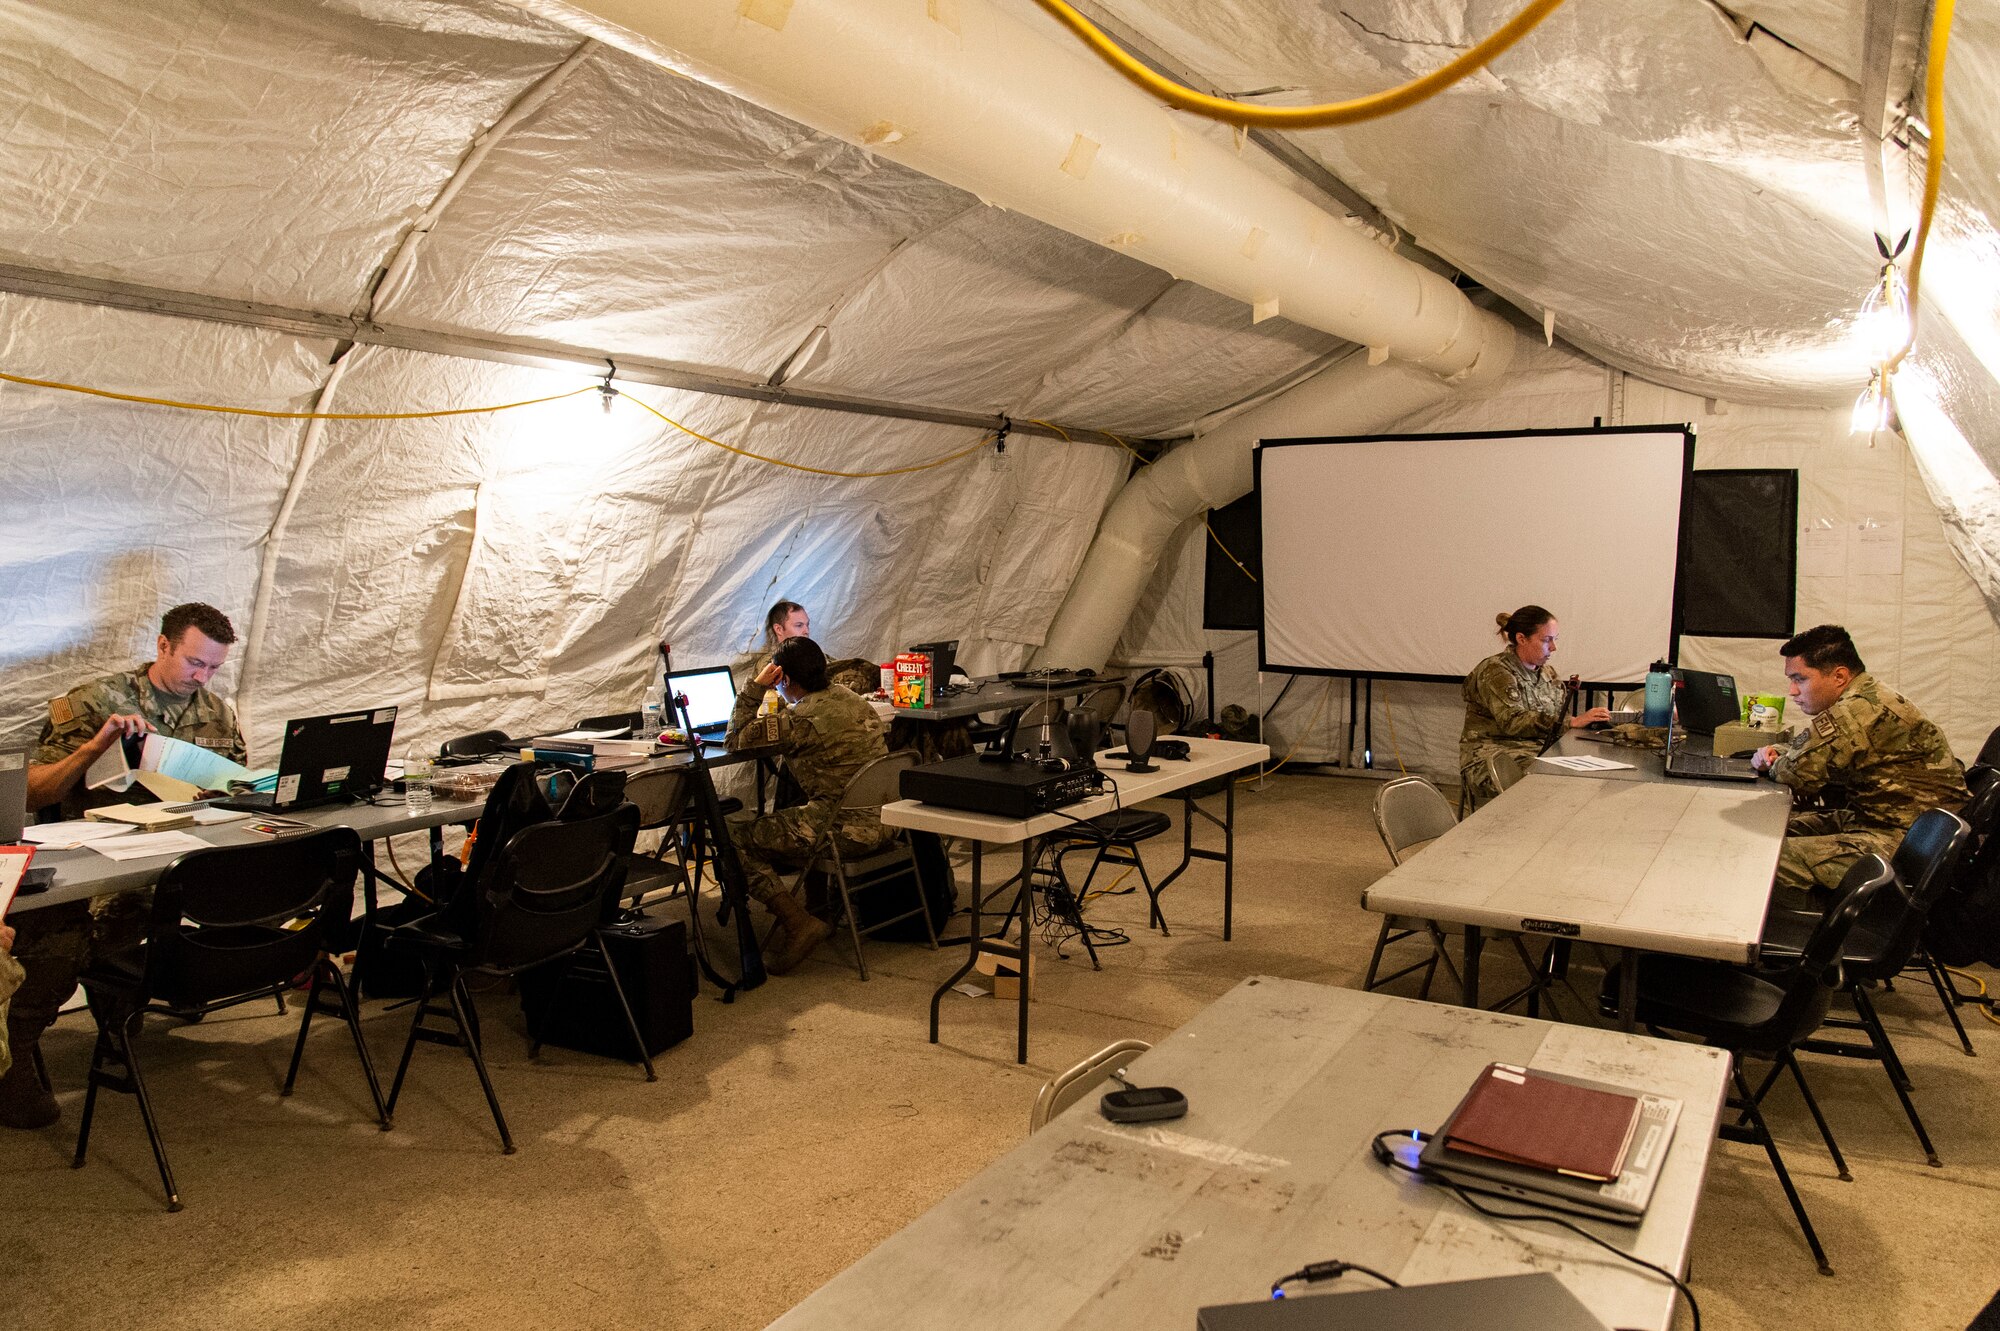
1500 620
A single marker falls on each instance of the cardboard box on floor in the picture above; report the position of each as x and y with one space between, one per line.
1005 979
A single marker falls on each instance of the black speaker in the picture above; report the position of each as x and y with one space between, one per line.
659 980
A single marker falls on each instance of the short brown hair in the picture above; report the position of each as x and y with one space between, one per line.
212 623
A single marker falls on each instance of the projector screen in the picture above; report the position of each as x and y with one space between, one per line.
1390 555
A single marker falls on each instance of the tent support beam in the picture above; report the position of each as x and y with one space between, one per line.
504 350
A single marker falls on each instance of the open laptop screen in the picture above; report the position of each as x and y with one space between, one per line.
711 696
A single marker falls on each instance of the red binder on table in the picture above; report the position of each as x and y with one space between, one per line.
1525 1118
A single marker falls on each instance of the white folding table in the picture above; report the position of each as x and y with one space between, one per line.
1207 758
1646 865
1090 1224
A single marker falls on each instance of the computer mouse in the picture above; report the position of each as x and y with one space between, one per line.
1598 725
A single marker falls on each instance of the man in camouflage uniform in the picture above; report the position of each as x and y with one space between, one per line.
169 695
826 734
1869 753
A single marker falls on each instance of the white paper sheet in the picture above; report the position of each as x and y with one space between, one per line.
147 845
72 836
110 771
193 764
1585 763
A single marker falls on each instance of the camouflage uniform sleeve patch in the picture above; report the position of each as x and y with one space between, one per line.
60 712
1824 726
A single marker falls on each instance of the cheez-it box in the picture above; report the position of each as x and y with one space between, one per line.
913 680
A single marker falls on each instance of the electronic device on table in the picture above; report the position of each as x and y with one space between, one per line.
711 698
327 759
13 793
1541 1113
1019 788
1536 1302
944 660
1706 700
1704 766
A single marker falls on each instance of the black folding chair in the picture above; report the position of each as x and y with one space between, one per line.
1882 943
229 924
543 898
1762 1015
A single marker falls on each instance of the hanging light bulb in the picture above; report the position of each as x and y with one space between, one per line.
1885 315
1871 409
605 392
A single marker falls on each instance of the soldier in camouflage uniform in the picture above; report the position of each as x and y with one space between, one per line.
10 980
826 735
1868 751
1513 700
169 695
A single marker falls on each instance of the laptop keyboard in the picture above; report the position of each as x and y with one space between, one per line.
1707 764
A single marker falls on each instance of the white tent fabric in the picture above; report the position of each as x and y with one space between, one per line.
1687 202
1924 627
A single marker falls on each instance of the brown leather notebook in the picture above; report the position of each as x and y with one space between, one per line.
1526 1118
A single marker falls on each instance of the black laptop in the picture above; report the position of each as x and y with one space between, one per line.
944 659
1706 700
327 759
1704 766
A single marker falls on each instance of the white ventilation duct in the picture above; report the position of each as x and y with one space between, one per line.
1351 397
969 95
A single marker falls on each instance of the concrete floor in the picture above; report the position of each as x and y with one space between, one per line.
811 1119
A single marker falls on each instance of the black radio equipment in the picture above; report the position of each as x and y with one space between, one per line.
1020 788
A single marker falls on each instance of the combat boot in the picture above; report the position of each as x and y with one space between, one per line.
802 931
25 1099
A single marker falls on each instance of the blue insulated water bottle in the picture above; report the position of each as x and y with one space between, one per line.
1659 694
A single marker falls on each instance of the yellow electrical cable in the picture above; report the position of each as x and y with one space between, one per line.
799 466
1985 1010
1933 166
1303 735
1226 551
288 415
1370 107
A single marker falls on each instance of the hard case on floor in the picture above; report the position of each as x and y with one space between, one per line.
659 978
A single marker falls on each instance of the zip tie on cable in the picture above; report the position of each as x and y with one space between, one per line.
288 415
1374 105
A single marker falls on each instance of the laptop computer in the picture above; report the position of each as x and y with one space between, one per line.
326 759
1622 1200
711 695
1704 766
1706 700
1533 1302
944 659
13 793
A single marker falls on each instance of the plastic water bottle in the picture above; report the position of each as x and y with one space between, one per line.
652 710
1659 694
417 772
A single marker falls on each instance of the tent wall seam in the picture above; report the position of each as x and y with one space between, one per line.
395 275
273 538
532 353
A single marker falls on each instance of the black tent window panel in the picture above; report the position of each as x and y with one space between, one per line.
1739 556
1230 598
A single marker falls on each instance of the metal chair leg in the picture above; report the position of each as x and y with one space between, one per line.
1762 1135
146 1114
305 1024
1950 1004
618 989
460 1001
416 1030
1791 1061
352 1012
1898 1078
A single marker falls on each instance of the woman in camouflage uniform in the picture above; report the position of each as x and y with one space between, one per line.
1513 700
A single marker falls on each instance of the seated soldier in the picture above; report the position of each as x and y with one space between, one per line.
826 734
169 694
1869 754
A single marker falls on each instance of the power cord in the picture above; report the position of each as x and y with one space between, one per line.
1386 1155
1314 1272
